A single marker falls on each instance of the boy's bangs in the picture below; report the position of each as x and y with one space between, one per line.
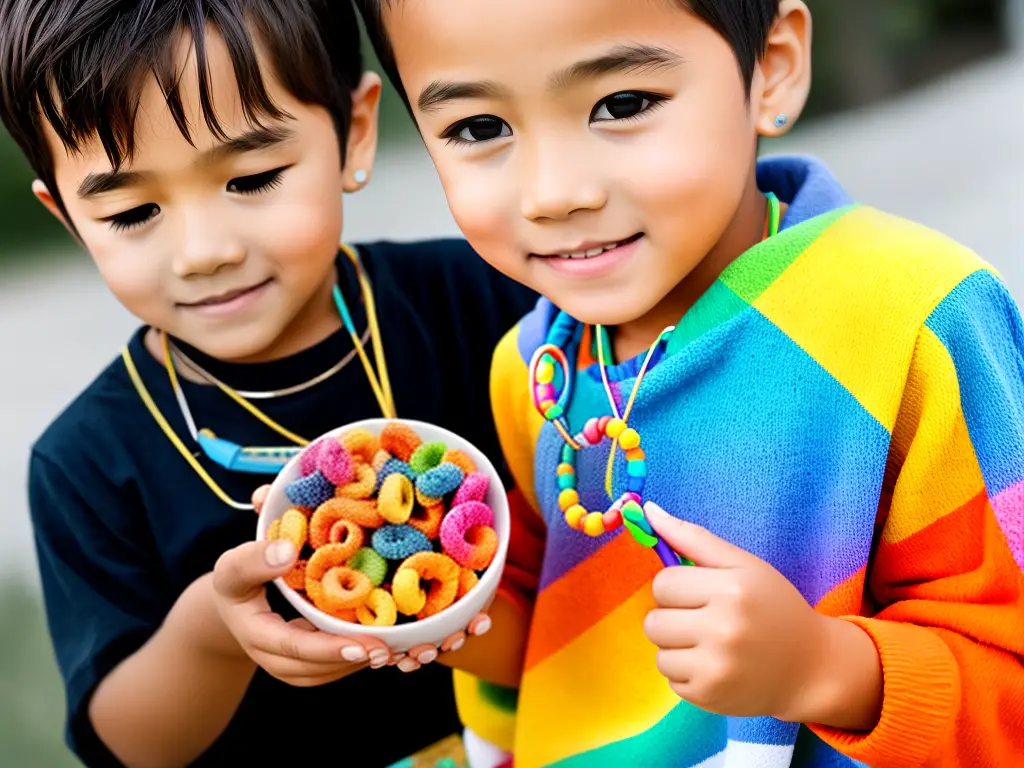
96 90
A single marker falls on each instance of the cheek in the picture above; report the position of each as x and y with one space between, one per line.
133 271
483 205
302 229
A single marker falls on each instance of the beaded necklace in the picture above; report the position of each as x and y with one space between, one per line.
551 389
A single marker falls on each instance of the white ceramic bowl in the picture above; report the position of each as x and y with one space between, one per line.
434 629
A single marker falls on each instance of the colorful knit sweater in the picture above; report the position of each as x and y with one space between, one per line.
847 403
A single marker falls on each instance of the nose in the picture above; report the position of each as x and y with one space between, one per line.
561 179
209 244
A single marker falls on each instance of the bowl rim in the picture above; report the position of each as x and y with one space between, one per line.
375 425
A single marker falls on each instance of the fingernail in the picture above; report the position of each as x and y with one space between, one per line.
378 658
482 627
408 665
457 644
427 656
280 553
353 653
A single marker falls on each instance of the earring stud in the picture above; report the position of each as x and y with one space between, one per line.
359 176
781 121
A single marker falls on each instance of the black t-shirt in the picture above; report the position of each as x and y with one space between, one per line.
123 525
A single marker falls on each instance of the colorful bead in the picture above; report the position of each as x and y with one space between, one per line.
629 439
568 454
630 496
636 469
593 524
636 454
545 392
554 412
570 497
546 405
566 469
642 537
545 371
591 432
574 516
602 424
614 428
566 481
612 519
636 484
632 513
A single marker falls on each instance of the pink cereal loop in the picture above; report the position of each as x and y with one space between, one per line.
335 463
457 523
308 458
473 488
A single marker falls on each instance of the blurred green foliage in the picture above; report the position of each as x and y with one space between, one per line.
31 697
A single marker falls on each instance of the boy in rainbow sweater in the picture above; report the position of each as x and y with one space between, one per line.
814 410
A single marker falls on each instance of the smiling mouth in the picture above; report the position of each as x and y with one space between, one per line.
592 251
224 298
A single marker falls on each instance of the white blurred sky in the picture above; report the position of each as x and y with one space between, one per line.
949 156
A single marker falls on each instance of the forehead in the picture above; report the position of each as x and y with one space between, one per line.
527 36
156 133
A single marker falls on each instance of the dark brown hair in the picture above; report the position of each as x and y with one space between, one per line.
744 24
80 65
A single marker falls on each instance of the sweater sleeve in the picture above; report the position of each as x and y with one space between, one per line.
486 709
946 576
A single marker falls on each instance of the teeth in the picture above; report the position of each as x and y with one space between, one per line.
588 254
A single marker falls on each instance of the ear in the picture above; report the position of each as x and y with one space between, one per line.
361 148
785 70
42 194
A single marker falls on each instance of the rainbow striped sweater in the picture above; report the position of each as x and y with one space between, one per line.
847 403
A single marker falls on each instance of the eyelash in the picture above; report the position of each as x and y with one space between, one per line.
653 100
250 185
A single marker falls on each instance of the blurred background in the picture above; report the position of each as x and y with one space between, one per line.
918 107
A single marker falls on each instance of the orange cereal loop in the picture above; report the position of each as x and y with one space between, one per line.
274 530
441 574
460 460
400 440
467 580
349 615
296 577
361 444
360 488
483 541
293 527
428 520
332 586
379 610
348 533
329 513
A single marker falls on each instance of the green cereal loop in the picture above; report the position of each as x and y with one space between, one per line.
370 564
427 456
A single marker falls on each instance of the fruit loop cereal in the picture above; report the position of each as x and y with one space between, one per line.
389 529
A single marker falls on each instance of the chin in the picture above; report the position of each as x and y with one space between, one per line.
601 311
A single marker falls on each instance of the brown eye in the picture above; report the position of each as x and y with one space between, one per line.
624 105
477 129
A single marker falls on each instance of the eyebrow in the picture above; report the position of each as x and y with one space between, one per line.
250 141
620 59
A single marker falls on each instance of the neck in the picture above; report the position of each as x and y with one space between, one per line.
744 231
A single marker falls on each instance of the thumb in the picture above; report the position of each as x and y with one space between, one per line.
243 571
693 542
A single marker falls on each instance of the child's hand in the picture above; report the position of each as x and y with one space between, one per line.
379 654
734 636
294 651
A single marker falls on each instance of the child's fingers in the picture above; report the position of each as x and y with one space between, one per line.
241 573
480 625
453 642
682 588
671 628
422 654
269 634
259 496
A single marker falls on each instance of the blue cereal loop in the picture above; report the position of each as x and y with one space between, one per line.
310 491
440 481
397 542
390 467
